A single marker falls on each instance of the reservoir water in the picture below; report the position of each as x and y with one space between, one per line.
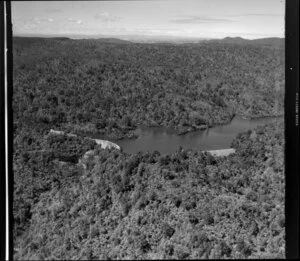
167 141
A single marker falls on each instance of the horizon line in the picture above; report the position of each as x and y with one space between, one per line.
103 36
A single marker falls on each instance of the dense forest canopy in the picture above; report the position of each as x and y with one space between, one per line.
110 87
149 206
185 205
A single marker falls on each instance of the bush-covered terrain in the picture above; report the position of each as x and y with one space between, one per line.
113 205
187 205
109 87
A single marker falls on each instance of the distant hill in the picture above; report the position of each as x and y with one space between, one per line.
111 40
46 37
161 39
120 38
31 39
269 41
238 40
274 41
40 36
263 41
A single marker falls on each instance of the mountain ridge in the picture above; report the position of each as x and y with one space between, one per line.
161 39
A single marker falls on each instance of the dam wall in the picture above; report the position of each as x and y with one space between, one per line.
103 143
107 144
221 153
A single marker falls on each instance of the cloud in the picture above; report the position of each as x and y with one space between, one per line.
105 14
76 21
107 17
37 20
52 10
198 20
32 21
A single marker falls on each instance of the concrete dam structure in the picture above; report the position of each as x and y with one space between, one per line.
221 153
105 144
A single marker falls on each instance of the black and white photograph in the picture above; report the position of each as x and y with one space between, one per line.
148 130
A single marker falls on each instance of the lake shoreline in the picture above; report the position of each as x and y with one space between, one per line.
170 133
133 135
189 130
167 140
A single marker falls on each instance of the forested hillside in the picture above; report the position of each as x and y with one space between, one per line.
185 205
147 206
109 87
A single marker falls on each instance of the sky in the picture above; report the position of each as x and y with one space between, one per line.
249 19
